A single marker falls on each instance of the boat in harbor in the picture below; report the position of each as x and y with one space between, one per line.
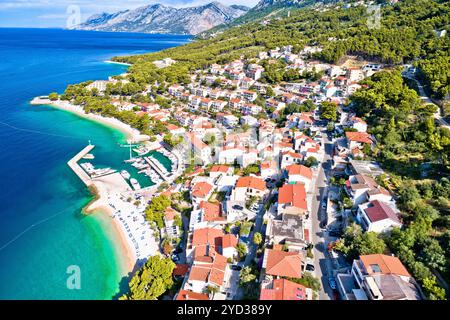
88 167
135 184
131 160
142 150
89 156
125 174
140 164
102 172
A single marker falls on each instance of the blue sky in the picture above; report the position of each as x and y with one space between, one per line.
56 13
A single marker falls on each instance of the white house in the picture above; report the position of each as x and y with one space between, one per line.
377 277
299 174
358 124
269 169
377 216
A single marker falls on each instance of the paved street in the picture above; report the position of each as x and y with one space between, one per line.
322 262
252 247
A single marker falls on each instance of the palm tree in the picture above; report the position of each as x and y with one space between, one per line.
212 290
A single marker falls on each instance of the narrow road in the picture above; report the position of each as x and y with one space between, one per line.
426 99
322 263
252 247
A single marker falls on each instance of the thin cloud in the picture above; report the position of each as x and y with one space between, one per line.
104 5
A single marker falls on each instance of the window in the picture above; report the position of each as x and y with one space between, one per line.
375 268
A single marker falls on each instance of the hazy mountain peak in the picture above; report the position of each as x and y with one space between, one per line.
158 18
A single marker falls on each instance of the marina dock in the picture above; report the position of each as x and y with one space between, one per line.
73 164
156 166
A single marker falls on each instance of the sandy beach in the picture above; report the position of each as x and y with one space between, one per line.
132 134
102 210
121 63
125 253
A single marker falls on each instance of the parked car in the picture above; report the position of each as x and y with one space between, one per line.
178 250
238 207
175 257
324 205
309 267
332 283
236 268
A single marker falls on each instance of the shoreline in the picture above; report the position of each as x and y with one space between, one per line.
99 209
124 254
120 63
132 134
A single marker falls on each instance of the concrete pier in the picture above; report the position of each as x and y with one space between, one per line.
73 164
155 167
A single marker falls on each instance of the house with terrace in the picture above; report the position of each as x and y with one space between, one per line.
377 216
289 230
358 139
297 173
362 188
172 223
201 191
377 277
292 200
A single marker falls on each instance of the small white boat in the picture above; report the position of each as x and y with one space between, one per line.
125 174
135 184
89 156
142 150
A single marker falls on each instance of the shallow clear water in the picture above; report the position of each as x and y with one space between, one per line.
42 229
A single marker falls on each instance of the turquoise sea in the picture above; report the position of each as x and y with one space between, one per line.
43 232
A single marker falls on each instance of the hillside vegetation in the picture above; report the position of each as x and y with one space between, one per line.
407 33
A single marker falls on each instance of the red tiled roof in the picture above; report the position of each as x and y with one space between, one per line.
210 272
293 154
219 168
201 189
199 273
172 127
307 118
251 182
198 143
283 289
283 264
229 241
196 172
297 169
212 211
362 137
190 295
204 253
379 210
207 236
387 264
293 194
180 269
170 213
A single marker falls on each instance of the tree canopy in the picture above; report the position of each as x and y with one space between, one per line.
152 280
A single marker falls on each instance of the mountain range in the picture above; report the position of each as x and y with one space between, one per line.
163 19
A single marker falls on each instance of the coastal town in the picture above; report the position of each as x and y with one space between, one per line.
252 186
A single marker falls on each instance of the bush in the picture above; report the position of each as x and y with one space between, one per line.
53 96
